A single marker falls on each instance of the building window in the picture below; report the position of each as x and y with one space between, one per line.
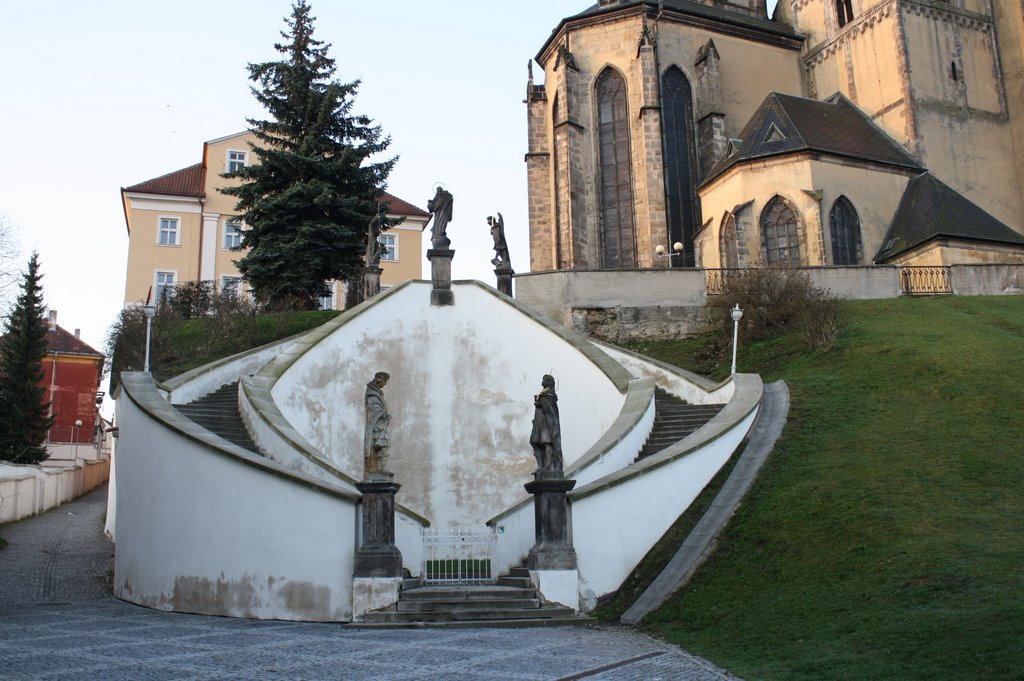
388 247
167 235
232 233
680 161
844 227
327 299
779 236
164 287
230 286
844 12
727 243
618 240
237 160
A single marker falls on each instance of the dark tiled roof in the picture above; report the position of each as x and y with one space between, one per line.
59 340
398 206
184 182
785 124
699 10
931 209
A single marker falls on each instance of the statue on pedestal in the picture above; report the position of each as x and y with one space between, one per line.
501 259
373 245
376 442
546 437
441 207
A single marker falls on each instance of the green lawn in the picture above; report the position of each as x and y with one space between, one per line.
884 539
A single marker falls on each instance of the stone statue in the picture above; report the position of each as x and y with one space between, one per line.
441 207
500 245
376 442
546 438
373 245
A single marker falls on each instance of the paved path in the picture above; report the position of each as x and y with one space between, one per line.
58 621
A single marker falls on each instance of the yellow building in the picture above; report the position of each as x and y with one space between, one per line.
182 229
840 132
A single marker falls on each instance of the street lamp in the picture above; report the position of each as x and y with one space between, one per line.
677 247
150 310
737 314
74 451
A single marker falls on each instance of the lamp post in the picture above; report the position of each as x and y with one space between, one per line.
74 450
150 310
677 247
737 315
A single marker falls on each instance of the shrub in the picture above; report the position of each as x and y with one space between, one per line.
775 301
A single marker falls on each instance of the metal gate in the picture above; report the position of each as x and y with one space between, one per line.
457 555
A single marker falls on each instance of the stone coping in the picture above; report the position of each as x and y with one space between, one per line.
745 400
140 388
615 372
256 390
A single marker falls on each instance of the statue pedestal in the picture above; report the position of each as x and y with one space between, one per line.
504 275
378 556
552 560
371 282
377 576
441 276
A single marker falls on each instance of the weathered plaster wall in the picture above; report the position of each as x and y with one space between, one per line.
461 397
203 530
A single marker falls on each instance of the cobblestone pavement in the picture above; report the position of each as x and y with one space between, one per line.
58 621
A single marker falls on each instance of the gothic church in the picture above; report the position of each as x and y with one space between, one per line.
839 132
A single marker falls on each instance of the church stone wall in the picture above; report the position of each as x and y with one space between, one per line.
812 186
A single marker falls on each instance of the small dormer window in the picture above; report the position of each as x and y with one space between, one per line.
844 12
774 134
236 160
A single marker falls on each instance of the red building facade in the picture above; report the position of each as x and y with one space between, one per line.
73 370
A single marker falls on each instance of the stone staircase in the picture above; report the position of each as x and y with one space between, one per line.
512 602
218 413
674 419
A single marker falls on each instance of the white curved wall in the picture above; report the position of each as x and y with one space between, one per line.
199 530
463 379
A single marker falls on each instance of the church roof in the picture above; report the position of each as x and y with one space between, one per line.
184 182
786 124
699 12
931 209
697 9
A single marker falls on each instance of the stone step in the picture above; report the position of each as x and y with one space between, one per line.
465 615
521 582
467 593
574 621
462 605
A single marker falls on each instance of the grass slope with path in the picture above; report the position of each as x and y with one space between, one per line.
885 536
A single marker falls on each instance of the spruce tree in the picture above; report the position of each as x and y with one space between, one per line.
24 418
312 191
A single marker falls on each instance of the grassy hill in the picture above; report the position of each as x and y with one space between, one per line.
885 537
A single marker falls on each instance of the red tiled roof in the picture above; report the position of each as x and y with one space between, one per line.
184 182
397 206
59 340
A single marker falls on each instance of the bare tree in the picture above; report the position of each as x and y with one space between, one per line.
10 267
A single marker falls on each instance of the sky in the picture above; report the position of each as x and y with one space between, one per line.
106 94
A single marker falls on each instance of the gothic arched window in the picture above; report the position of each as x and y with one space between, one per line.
844 12
560 255
844 227
728 247
779 236
618 240
680 160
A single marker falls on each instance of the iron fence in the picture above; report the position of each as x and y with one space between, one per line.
458 555
925 281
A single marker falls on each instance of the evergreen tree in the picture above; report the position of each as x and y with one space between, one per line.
24 418
312 192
